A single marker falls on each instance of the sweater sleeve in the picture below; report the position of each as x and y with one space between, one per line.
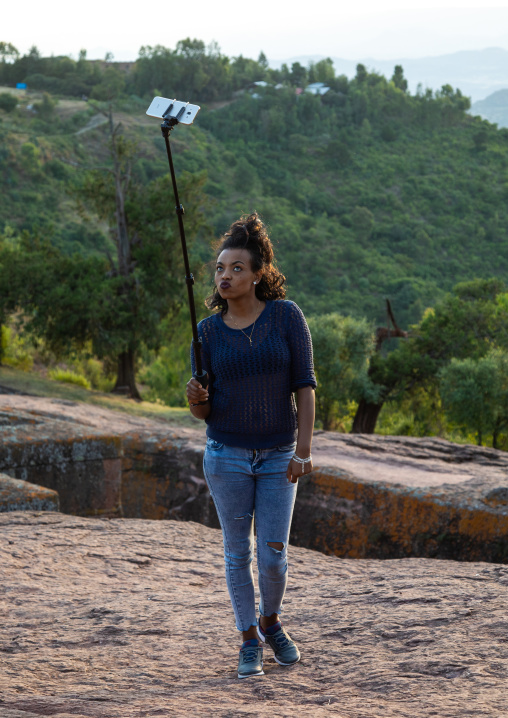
300 345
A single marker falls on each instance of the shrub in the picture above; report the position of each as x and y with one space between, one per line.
69 377
15 350
7 102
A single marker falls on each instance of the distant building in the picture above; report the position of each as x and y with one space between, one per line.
258 85
317 88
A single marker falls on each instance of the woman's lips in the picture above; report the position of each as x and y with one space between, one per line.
225 285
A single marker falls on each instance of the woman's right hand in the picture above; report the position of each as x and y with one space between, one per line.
195 392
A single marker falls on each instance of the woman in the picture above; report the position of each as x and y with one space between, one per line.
257 351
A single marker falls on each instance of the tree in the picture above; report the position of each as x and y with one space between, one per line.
322 71
398 78
475 394
140 291
56 296
8 53
116 304
8 102
467 323
342 348
46 108
298 75
480 140
262 61
111 86
362 221
379 379
361 73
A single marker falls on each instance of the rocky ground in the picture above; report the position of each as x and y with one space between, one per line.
414 462
128 618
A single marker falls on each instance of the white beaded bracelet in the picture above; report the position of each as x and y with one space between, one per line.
302 461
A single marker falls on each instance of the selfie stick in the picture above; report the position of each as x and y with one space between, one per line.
174 113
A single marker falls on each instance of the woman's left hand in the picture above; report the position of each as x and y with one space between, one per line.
295 469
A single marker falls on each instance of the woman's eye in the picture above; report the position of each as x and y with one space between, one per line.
219 269
239 269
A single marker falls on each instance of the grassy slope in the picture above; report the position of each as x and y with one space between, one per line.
31 383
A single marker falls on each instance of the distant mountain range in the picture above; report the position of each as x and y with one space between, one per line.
493 108
477 73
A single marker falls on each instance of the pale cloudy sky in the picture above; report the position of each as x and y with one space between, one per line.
356 30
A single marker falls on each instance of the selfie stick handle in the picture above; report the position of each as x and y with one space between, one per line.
199 374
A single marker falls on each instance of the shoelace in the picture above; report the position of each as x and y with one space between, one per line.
250 653
280 639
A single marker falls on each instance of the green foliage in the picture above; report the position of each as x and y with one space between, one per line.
111 86
166 375
306 162
8 52
369 191
69 377
46 108
15 350
465 325
475 393
398 78
30 156
342 348
8 102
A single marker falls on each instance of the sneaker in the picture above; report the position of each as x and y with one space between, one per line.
284 648
250 661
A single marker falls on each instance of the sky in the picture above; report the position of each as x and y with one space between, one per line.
415 28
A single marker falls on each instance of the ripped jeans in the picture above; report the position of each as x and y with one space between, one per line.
248 483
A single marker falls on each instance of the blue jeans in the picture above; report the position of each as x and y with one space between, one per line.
248 483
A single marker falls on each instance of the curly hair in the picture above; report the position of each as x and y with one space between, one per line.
249 232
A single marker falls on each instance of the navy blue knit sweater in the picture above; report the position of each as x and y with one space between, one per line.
251 388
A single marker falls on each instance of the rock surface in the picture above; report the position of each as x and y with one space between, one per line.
369 496
82 465
408 461
17 495
127 618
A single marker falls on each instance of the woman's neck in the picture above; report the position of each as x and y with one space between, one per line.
244 307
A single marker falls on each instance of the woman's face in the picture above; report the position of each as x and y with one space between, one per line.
234 277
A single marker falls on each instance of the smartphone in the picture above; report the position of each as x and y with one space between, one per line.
163 108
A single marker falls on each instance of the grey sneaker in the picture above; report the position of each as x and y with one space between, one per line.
284 648
250 662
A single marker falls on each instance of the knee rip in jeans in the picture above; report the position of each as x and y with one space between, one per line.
276 546
245 516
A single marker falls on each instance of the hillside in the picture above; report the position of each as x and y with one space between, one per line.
370 192
493 108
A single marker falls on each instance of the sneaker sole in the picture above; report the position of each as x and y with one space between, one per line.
262 638
286 664
251 675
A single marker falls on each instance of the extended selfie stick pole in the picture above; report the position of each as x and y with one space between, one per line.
166 127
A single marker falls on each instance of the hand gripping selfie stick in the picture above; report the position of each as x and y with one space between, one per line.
173 113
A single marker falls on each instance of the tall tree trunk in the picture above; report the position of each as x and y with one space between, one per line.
126 376
122 180
366 417
367 413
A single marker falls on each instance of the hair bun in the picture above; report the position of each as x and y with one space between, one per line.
249 232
